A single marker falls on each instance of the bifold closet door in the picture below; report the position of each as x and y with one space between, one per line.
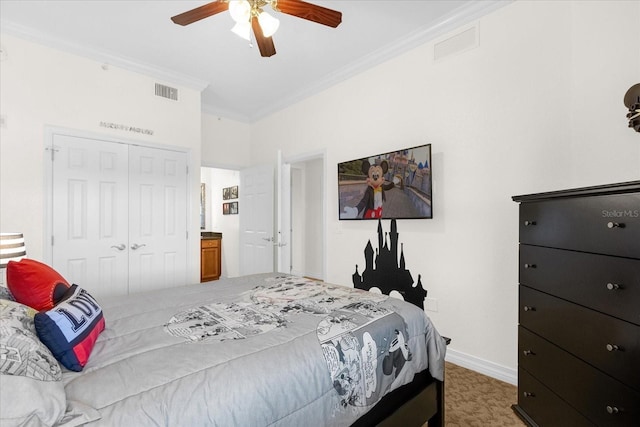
119 215
90 213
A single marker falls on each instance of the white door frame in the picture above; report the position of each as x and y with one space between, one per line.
283 215
49 150
311 155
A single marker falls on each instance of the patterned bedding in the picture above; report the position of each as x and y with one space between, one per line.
262 350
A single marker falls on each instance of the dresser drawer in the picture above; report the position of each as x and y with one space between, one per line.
607 224
602 399
544 406
611 344
210 243
605 283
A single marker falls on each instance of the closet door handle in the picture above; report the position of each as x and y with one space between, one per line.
120 247
137 246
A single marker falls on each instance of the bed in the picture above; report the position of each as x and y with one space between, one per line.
260 350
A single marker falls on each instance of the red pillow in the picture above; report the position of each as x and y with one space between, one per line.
35 284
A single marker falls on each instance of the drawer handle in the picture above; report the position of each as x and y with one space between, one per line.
528 223
612 224
529 308
528 353
613 409
613 286
613 347
529 266
529 394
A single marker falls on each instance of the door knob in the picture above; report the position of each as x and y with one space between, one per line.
120 247
137 246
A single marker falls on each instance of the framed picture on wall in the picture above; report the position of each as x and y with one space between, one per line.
233 208
225 208
226 192
233 192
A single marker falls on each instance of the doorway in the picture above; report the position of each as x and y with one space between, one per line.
219 220
307 216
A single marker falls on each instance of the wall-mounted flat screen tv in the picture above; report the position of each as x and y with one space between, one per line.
394 185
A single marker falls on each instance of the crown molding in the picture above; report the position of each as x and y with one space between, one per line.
462 16
39 37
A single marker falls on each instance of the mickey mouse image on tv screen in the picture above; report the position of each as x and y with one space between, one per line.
371 204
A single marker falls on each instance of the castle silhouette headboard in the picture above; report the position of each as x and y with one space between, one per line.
384 271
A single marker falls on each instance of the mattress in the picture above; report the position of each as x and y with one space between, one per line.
260 350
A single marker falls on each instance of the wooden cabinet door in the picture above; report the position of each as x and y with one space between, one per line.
210 268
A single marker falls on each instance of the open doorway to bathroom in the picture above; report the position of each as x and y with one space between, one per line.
221 215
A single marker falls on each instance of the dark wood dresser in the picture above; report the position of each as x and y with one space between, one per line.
579 307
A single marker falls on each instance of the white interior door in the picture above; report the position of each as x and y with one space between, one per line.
255 207
90 213
118 215
158 218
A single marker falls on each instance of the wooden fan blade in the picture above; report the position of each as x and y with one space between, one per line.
265 44
310 12
201 12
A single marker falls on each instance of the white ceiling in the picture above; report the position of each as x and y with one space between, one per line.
236 81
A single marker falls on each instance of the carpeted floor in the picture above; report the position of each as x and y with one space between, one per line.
473 399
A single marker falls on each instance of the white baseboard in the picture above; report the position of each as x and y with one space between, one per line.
482 366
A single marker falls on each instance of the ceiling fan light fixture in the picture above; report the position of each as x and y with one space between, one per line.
250 13
242 29
240 10
268 23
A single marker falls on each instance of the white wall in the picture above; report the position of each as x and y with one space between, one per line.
216 179
536 107
40 87
225 142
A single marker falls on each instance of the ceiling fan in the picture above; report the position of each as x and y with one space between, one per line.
249 15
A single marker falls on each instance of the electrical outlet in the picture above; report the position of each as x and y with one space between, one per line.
431 304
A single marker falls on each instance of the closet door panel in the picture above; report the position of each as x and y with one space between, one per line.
89 213
158 218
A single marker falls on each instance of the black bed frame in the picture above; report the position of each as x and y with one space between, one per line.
413 404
